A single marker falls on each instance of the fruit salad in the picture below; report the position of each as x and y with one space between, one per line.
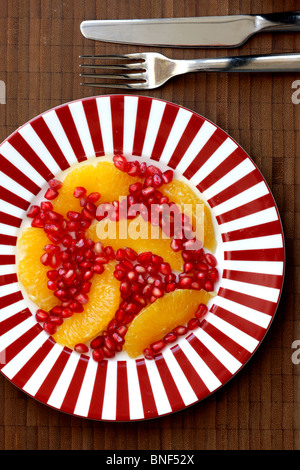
101 281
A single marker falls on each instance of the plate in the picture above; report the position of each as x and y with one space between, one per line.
251 255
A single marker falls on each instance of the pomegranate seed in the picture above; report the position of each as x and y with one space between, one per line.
118 340
52 285
109 252
146 192
201 311
208 286
165 269
87 214
193 323
211 260
120 313
109 343
148 353
131 308
135 188
86 287
188 267
176 245
157 181
33 212
97 342
125 289
54 261
143 168
139 299
51 194
45 259
98 355
180 330
93 197
82 298
98 268
88 275
57 320
37 222
76 307
147 291
140 269
187 255
52 249
81 348
66 313
122 330
119 275
52 275
170 338
50 327
202 266
153 170
79 192
131 255
144 258
192 244
109 353
148 181
41 315
157 346
157 292
170 287
121 163
167 176
196 285
213 275
185 282
55 184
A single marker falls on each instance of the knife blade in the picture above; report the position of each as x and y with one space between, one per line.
209 31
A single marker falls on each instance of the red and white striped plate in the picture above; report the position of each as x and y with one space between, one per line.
251 255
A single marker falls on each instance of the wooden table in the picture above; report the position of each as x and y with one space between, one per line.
40 42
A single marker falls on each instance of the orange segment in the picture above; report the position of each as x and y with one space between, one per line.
161 317
104 300
32 274
131 229
180 193
99 176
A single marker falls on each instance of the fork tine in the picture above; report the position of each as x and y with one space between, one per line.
124 86
117 76
113 56
112 66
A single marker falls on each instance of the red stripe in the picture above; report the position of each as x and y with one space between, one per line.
117 116
70 400
191 130
250 301
218 369
142 118
20 144
122 409
47 387
8 219
264 202
17 346
261 279
263 230
255 331
265 254
6 279
170 386
235 349
206 152
13 199
192 376
66 119
238 187
231 162
10 299
149 406
96 405
168 119
7 259
14 320
8 240
44 133
24 374
92 116
15 174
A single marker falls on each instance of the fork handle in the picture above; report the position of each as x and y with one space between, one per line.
285 21
247 63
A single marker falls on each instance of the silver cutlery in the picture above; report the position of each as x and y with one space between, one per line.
209 31
149 70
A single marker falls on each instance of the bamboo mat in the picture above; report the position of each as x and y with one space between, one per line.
40 42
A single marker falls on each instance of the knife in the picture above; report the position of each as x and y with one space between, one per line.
209 31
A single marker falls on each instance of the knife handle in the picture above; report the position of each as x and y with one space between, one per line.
248 63
285 21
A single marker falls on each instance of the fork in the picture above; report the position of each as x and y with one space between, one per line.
149 70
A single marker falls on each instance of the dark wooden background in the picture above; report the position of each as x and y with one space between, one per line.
40 42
